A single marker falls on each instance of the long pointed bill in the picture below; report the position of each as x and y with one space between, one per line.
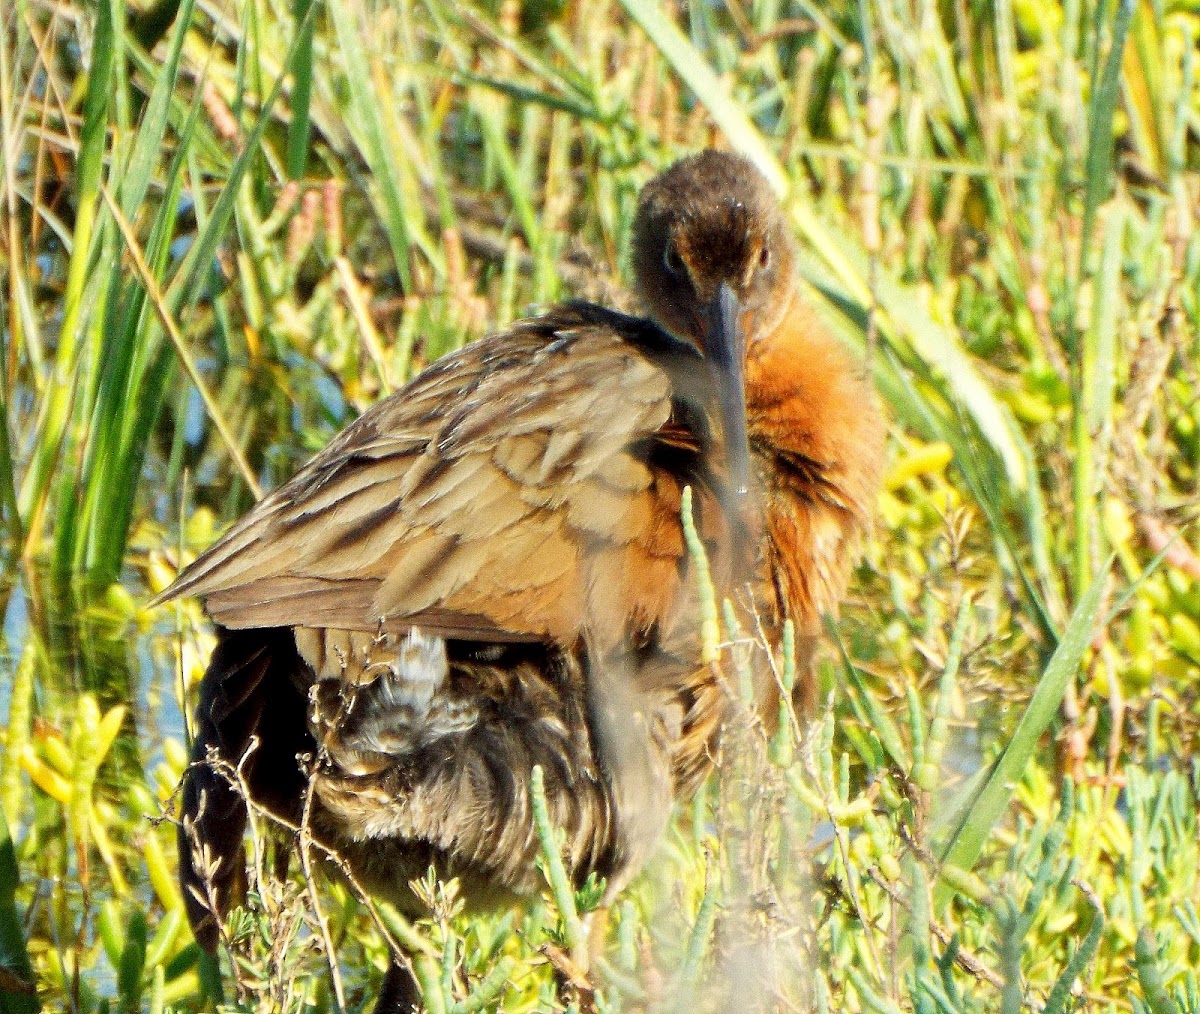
725 349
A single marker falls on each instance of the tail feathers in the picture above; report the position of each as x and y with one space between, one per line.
403 706
251 724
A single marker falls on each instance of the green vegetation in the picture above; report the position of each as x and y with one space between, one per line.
229 225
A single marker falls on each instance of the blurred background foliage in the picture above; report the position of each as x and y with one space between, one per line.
227 226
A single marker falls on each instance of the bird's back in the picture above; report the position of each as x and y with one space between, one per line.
504 494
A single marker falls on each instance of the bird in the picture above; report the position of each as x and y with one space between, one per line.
487 571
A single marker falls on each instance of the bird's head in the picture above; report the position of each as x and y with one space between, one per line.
713 261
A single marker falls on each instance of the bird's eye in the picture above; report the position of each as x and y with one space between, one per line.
672 261
764 257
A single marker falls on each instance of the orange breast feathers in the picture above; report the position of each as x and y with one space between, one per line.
813 415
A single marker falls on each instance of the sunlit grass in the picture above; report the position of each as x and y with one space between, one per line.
227 231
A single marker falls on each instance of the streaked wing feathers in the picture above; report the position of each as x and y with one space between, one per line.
500 494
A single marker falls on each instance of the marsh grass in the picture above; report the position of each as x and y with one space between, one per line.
228 227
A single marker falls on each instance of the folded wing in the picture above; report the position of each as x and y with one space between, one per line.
512 490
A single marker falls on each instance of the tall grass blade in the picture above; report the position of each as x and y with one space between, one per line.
967 841
131 397
56 408
147 145
941 349
21 325
10 513
490 110
96 505
379 154
160 305
1142 85
1098 367
1101 140
302 84
184 287
1097 182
